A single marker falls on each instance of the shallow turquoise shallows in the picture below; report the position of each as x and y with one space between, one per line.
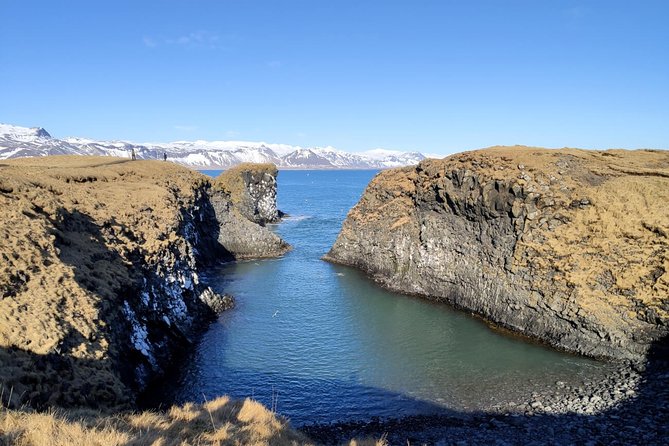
320 342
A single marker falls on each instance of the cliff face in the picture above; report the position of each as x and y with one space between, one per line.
244 200
252 189
567 246
99 281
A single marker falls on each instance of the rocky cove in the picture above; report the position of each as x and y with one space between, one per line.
160 301
566 246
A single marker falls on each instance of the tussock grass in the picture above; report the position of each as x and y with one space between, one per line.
222 422
233 180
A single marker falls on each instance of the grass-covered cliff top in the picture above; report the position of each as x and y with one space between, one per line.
78 236
71 229
614 244
75 236
233 181
38 197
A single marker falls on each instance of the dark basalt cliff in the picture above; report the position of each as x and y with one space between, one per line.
100 287
567 246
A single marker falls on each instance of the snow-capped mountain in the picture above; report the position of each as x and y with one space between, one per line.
18 142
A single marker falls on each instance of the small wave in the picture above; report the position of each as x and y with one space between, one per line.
297 218
339 274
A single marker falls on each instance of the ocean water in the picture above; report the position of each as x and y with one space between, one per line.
320 342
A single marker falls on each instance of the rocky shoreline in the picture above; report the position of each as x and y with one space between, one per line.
569 247
630 406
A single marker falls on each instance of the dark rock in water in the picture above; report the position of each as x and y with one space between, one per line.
218 303
567 246
244 200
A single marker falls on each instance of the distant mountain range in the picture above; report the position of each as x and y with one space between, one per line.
18 142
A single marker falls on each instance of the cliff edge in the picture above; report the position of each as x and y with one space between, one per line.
567 246
100 285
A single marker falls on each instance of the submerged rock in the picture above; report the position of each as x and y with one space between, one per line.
567 246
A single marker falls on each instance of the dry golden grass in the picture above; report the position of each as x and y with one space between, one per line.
232 181
70 230
218 422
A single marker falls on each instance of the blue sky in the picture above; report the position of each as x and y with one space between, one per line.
436 76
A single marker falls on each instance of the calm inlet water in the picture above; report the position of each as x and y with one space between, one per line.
321 342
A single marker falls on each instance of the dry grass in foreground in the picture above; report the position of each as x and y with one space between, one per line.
219 422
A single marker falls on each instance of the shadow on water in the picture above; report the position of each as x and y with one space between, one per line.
319 394
641 419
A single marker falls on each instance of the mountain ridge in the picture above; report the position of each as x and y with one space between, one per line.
17 142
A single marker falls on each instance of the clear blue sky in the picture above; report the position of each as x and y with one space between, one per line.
437 76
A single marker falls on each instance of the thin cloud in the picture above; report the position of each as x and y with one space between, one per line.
195 39
274 64
201 39
149 42
231 134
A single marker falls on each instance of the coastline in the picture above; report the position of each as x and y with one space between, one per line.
519 236
630 407
591 408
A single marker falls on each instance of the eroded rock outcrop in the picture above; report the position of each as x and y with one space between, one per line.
567 246
252 190
99 281
244 200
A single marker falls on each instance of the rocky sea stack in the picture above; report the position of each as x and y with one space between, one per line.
567 246
100 286
244 200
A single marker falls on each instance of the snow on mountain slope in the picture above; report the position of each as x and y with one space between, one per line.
18 141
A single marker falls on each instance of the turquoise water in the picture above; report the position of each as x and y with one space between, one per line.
321 342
